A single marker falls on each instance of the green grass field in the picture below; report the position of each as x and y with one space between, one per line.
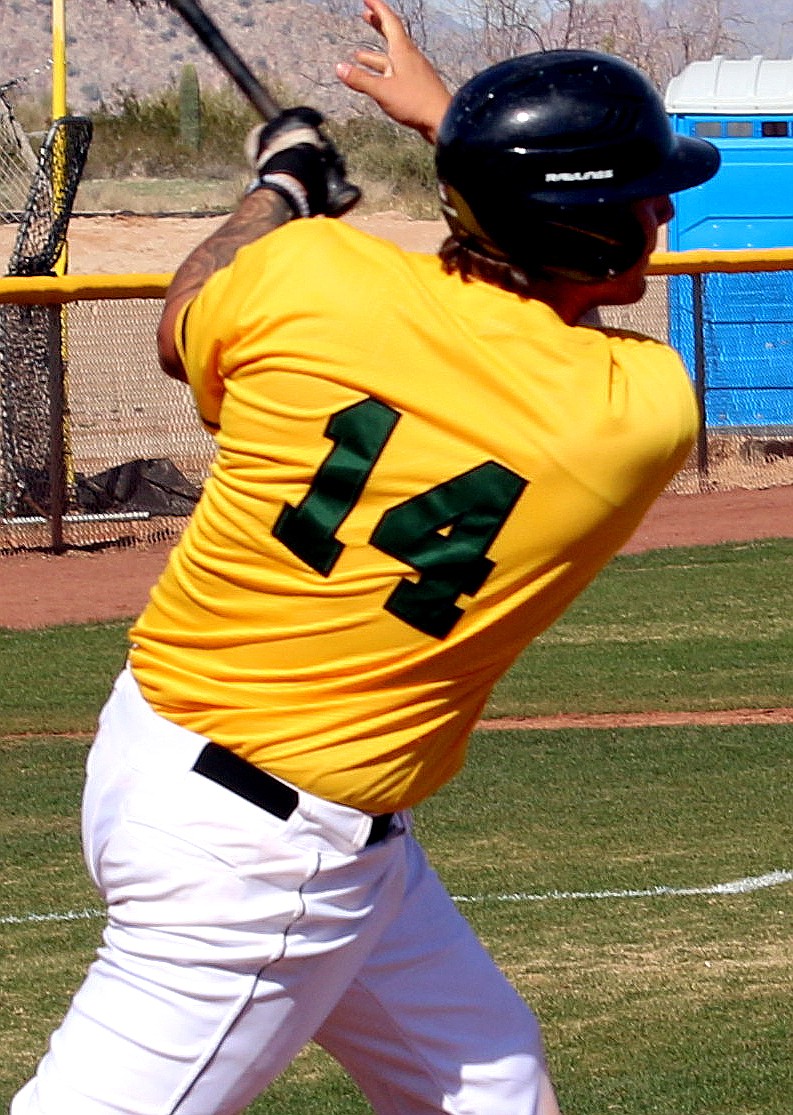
636 885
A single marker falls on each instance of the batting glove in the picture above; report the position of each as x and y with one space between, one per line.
293 157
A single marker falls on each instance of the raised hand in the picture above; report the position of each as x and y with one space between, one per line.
399 78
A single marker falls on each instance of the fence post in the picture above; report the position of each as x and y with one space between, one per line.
57 432
700 374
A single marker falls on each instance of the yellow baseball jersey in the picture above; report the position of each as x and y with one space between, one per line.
415 476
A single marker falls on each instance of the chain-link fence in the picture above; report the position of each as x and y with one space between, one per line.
137 454
18 161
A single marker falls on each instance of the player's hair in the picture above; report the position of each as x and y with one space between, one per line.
540 158
464 260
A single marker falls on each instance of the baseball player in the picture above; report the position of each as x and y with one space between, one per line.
421 461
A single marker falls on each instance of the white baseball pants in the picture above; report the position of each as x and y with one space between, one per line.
235 937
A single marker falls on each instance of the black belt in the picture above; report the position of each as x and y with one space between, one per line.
260 788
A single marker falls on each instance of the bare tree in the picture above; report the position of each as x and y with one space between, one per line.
415 17
501 29
622 27
660 38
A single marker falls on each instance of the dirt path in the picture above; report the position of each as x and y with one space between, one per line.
118 244
80 586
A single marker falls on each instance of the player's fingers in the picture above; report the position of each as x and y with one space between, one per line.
375 60
372 20
385 21
358 79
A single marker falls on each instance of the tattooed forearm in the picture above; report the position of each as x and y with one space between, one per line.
256 215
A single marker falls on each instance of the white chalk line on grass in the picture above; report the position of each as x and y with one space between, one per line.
737 886
67 915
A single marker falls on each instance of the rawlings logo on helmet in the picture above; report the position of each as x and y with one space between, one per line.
577 175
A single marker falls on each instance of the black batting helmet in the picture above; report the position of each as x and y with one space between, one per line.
539 157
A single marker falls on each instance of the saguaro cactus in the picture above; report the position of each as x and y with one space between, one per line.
189 108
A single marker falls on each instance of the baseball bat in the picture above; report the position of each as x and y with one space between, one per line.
342 195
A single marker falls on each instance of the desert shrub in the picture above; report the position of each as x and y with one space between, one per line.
376 150
143 137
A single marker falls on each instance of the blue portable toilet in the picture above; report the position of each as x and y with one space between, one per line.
745 108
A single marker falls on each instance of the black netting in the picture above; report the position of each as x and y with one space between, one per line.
42 230
32 356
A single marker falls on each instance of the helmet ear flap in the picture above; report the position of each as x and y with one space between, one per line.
463 225
584 244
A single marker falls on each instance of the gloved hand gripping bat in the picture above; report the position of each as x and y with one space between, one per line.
340 195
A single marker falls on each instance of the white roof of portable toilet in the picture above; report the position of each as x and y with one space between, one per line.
737 86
